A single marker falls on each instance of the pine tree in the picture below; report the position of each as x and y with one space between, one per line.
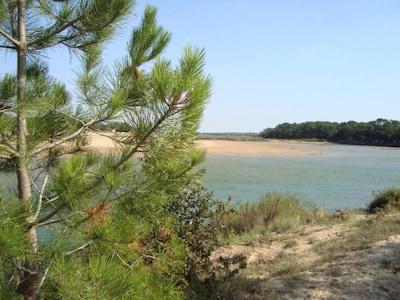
85 225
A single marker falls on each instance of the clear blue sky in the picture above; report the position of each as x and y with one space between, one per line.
282 61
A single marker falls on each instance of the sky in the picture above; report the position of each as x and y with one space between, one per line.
277 61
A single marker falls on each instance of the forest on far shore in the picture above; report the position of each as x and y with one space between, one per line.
381 132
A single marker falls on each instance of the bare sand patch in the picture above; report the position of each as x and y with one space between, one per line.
269 148
104 143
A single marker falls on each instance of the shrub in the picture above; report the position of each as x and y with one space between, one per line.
196 214
385 199
275 212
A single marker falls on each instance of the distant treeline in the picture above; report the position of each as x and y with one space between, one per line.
381 132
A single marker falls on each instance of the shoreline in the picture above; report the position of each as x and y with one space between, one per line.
254 148
104 144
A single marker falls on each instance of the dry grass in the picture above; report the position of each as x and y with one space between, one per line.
273 213
354 257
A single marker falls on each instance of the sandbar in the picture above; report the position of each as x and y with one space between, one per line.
268 148
104 144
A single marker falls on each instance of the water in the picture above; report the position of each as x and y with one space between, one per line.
340 177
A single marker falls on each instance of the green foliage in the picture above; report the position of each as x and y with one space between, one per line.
387 199
132 224
380 132
70 182
50 23
274 212
101 277
197 216
48 105
148 40
13 244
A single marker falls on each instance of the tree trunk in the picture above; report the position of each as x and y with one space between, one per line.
30 269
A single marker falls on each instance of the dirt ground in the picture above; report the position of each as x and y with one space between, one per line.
372 272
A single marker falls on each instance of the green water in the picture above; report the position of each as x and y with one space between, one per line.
340 176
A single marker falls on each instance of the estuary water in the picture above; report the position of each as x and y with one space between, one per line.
340 177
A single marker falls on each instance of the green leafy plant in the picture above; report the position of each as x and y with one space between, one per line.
387 199
197 214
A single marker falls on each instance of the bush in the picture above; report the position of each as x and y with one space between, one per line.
196 213
385 199
274 212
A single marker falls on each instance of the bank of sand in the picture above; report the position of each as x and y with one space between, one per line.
104 144
268 148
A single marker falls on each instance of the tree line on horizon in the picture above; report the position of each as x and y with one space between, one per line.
381 132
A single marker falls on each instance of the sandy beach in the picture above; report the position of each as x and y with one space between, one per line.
104 144
269 148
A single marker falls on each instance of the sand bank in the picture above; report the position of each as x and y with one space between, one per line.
104 144
269 147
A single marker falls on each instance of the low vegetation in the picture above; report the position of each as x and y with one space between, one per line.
294 251
273 213
385 200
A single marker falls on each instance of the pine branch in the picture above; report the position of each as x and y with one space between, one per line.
123 261
7 47
61 141
146 136
9 147
40 224
6 108
73 23
73 135
42 280
63 42
44 220
53 33
79 248
15 42
38 209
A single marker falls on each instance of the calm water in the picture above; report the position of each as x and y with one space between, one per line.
340 177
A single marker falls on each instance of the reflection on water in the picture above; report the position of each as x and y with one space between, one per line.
341 177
